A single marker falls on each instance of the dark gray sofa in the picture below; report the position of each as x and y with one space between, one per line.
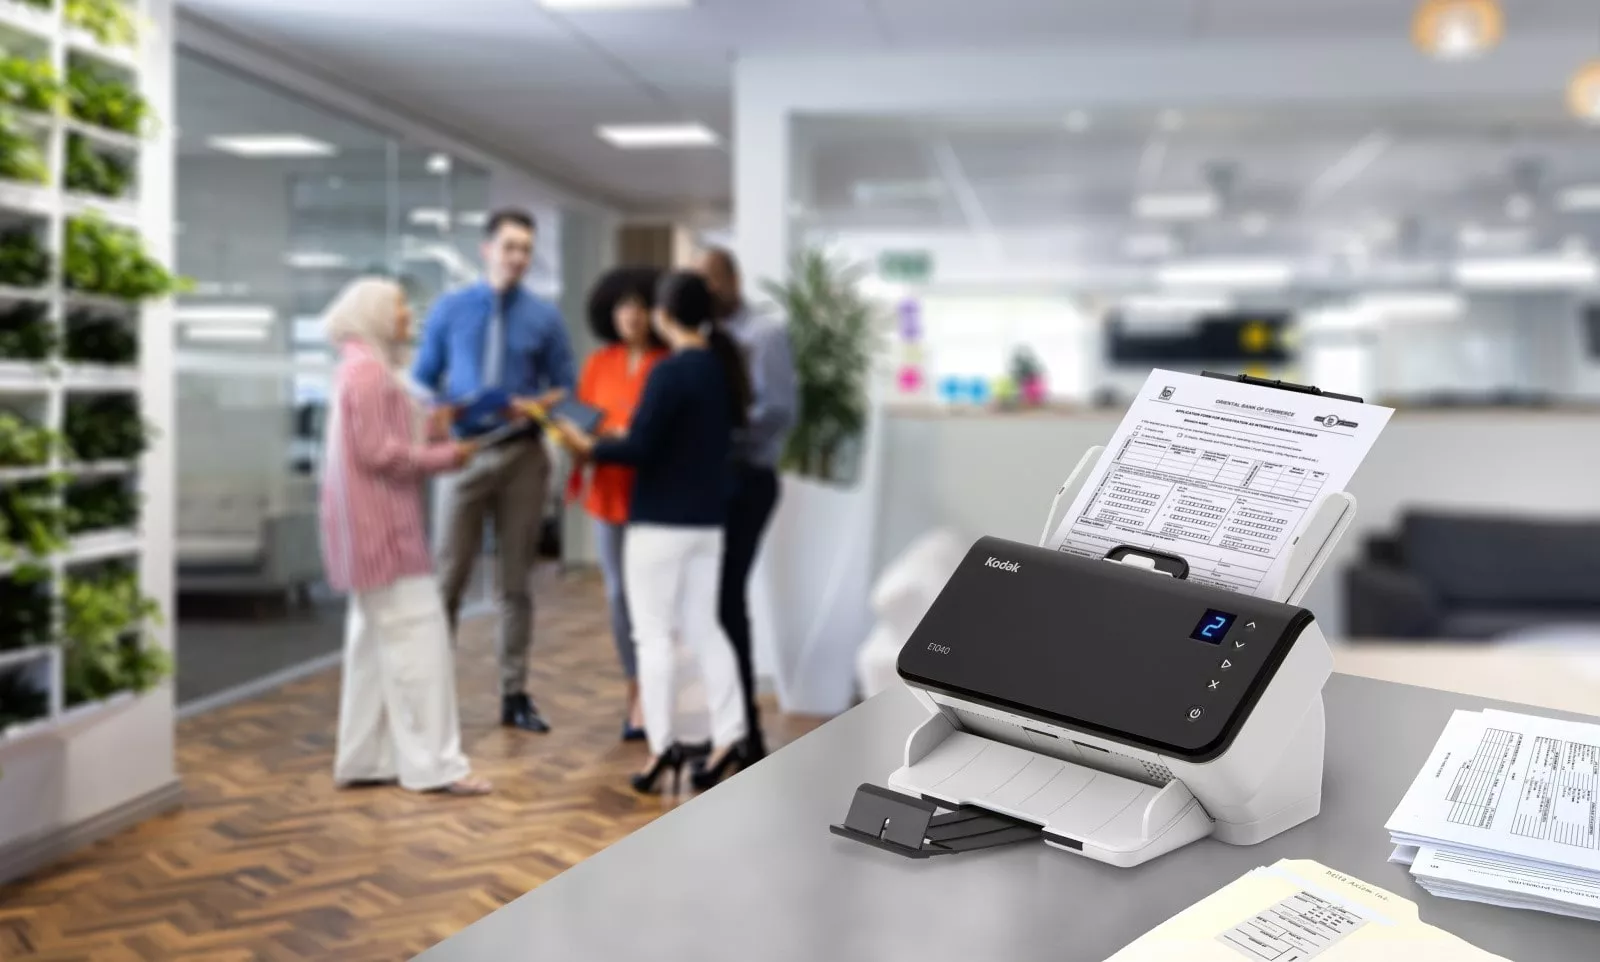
1464 577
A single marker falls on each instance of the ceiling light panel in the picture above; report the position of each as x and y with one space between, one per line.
1528 272
1196 206
271 145
580 5
657 136
1235 275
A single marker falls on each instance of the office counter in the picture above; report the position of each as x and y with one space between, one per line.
985 472
750 871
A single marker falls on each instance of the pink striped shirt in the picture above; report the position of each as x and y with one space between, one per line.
372 518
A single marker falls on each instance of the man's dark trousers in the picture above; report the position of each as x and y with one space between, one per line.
755 495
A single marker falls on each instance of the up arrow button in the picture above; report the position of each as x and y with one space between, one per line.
1250 627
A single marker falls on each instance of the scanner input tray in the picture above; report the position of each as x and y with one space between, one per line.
1106 816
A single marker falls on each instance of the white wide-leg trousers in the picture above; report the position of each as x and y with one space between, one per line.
672 575
397 710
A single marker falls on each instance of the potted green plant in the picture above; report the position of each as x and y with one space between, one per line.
105 101
109 21
24 262
33 520
105 259
29 84
101 504
817 565
95 337
26 333
21 158
24 444
106 427
27 609
91 171
104 644
834 333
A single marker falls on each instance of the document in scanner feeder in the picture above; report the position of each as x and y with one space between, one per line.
1219 473
1296 911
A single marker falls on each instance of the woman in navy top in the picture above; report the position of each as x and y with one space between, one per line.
680 444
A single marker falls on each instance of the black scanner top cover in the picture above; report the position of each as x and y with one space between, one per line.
1133 655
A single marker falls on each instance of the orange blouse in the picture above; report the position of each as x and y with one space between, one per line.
609 385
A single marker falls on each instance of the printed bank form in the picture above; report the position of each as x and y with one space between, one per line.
1296 911
1220 473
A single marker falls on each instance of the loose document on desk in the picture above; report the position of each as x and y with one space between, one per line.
1295 911
1219 473
1505 811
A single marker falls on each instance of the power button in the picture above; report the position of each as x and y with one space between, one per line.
1196 712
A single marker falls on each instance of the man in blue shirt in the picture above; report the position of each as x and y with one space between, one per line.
774 406
496 338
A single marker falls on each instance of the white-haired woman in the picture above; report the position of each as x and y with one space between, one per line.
397 711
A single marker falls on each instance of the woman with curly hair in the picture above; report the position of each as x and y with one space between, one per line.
612 380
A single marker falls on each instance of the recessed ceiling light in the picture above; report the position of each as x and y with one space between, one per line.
1412 302
315 260
1528 272
272 145
1176 303
429 217
1477 237
241 314
473 218
235 333
1583 197
615 4
654 136
1078 121
1227 274
1196 206
439 164
1149 245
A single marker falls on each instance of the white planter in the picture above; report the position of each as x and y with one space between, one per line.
809 595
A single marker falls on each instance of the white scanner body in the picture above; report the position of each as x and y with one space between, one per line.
1121 733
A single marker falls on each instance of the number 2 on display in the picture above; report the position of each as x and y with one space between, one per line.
1213 627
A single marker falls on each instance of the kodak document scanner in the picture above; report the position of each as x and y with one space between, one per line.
1110 705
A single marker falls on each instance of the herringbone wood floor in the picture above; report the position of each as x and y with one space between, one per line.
267 861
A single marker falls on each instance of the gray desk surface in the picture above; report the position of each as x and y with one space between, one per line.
750 871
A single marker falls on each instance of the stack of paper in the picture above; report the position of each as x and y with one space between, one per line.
1505 813
1294 911
1219 473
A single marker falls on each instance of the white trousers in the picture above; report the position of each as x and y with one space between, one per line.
397 709
672 576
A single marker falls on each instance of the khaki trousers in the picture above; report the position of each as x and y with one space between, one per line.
505 486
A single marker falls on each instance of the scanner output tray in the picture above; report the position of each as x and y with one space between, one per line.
1116 819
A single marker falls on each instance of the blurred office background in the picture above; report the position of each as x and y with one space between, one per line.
1038 200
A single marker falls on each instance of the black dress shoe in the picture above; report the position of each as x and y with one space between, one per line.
517 711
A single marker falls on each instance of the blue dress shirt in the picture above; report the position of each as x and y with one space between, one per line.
536 354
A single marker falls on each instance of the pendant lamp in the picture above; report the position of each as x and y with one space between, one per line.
1583 95
1457 29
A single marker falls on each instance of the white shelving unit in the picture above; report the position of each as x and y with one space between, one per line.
44 389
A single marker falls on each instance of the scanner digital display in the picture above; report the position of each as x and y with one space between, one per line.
1213 627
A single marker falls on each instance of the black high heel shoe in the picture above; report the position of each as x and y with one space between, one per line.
670 760
734 760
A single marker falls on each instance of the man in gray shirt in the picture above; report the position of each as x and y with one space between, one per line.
773 409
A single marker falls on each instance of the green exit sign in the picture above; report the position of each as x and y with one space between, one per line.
905 266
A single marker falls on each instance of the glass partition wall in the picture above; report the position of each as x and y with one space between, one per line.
1420 256
280 204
